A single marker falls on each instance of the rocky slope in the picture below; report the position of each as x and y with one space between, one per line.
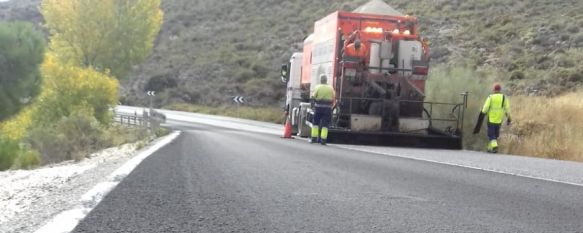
208 50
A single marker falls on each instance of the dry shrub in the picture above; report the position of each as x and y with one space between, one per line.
546 127
72 138
28 159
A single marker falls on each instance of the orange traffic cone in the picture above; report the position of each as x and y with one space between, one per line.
287 130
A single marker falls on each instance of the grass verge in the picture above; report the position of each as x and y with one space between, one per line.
546 127
73 138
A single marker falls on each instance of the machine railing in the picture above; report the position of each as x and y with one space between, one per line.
448 117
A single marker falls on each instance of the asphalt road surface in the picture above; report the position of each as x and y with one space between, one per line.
215 179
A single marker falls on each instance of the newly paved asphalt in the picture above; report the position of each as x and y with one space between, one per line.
214 179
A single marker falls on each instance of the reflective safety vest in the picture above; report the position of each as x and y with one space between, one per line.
323 95
496 106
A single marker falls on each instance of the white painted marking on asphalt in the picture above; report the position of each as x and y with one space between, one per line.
460 165
97 193
238 124
67 221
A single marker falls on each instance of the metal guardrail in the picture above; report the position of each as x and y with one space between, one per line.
147 120
131 120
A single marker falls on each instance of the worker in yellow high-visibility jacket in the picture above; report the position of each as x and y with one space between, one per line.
323 100
495 108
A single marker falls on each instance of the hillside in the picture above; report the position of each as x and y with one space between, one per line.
211 50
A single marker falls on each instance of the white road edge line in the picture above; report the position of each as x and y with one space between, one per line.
66 221
460 165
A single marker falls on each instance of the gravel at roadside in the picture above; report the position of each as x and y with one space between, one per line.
30 198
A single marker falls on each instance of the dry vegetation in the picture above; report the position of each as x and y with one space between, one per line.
546 127
208 51
214 49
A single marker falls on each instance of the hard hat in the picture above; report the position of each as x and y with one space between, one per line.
497 87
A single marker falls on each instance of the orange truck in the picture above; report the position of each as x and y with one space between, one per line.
380 87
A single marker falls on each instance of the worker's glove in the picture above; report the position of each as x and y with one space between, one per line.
508 122
312 103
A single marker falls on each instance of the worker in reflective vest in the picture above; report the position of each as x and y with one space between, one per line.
496 107
356 49
353 46
323 101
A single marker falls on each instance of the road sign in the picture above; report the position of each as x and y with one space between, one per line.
151 95
239 99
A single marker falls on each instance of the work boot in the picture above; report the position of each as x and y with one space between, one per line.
313 140
493 150
323 142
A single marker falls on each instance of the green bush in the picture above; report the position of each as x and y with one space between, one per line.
28 160
21 53
72 138
9 151
68 89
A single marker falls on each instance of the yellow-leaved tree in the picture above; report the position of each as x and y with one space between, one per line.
66 89
108 35
70 89
92 43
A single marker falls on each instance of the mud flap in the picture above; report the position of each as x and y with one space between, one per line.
339 136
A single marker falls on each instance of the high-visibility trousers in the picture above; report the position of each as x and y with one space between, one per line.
493 135
322 117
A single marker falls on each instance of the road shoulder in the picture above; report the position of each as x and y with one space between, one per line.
32 198
566 172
